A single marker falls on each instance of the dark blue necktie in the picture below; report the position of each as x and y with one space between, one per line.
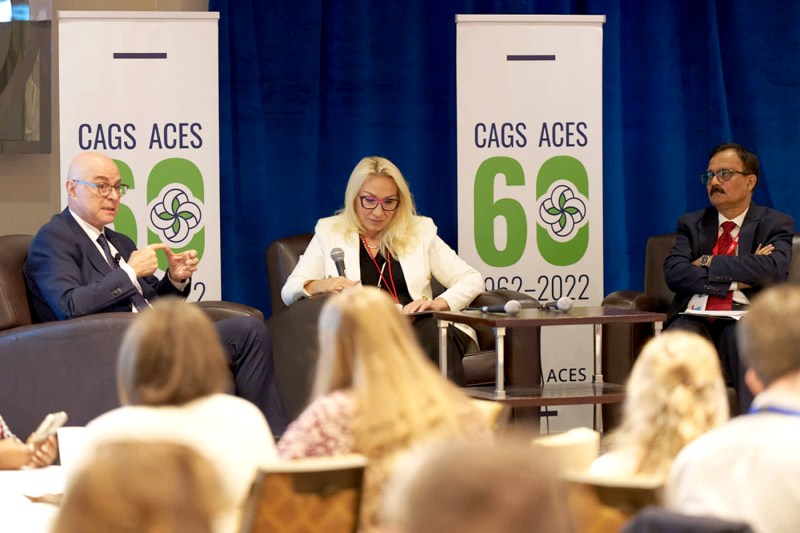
137 299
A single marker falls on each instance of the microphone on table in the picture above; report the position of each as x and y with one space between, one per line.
337 254
563 304
511 307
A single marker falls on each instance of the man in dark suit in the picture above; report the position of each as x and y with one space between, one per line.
76 266
725 254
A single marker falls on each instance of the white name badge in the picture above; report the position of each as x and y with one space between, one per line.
698 302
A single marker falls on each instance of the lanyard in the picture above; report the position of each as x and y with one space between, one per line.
731 247
773 409
391 289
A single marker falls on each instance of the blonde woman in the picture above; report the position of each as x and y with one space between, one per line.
676 393
376 393
386 245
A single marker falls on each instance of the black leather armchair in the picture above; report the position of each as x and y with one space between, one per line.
68 365
294 333
623 342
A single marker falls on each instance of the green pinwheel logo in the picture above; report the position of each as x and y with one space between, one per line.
562 191
175 195
175 215
562 211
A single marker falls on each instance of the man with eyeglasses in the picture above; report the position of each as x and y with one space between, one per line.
725 254
77 266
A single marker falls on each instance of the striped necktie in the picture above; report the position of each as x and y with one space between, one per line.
725 246
137 299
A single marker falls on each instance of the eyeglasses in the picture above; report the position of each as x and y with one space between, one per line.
104 189
721 175
388 204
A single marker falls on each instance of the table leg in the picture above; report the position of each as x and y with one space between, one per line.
597 377
658 326
443 346
500 372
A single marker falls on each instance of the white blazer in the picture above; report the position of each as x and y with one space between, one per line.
430 256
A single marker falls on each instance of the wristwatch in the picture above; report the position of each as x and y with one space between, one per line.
705 260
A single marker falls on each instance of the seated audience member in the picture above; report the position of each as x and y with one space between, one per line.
16 454
376 393
77 266
474 487
748 469
141 487
675 394
386 245
172 377
725 254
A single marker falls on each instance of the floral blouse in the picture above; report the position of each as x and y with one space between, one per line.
322 430
5 433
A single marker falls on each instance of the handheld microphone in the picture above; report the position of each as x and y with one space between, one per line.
563 304
337 254
511 308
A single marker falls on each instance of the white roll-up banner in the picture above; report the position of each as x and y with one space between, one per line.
530 171
142 88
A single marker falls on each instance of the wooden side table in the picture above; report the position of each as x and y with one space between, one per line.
598 392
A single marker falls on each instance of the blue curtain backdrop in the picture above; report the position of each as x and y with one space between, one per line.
308 87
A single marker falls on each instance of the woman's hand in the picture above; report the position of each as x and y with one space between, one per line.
44 453
438 304
329 285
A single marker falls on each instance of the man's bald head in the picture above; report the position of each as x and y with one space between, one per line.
87 170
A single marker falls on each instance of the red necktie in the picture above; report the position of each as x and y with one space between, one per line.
725 246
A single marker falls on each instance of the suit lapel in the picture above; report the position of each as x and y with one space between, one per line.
709 225
88 248
413 265
748 231
352 260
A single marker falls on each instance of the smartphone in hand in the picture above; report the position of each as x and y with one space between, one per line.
48 427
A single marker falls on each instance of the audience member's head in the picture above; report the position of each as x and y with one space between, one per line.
769 336
360 330
142 487
675 393
171 355
474 487
368 348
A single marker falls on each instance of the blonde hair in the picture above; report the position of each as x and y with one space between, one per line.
143 487
170 355
768 335
367 346
675 393
399 236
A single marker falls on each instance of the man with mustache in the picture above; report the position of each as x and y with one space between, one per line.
725 254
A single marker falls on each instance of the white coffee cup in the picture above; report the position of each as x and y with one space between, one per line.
71 443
